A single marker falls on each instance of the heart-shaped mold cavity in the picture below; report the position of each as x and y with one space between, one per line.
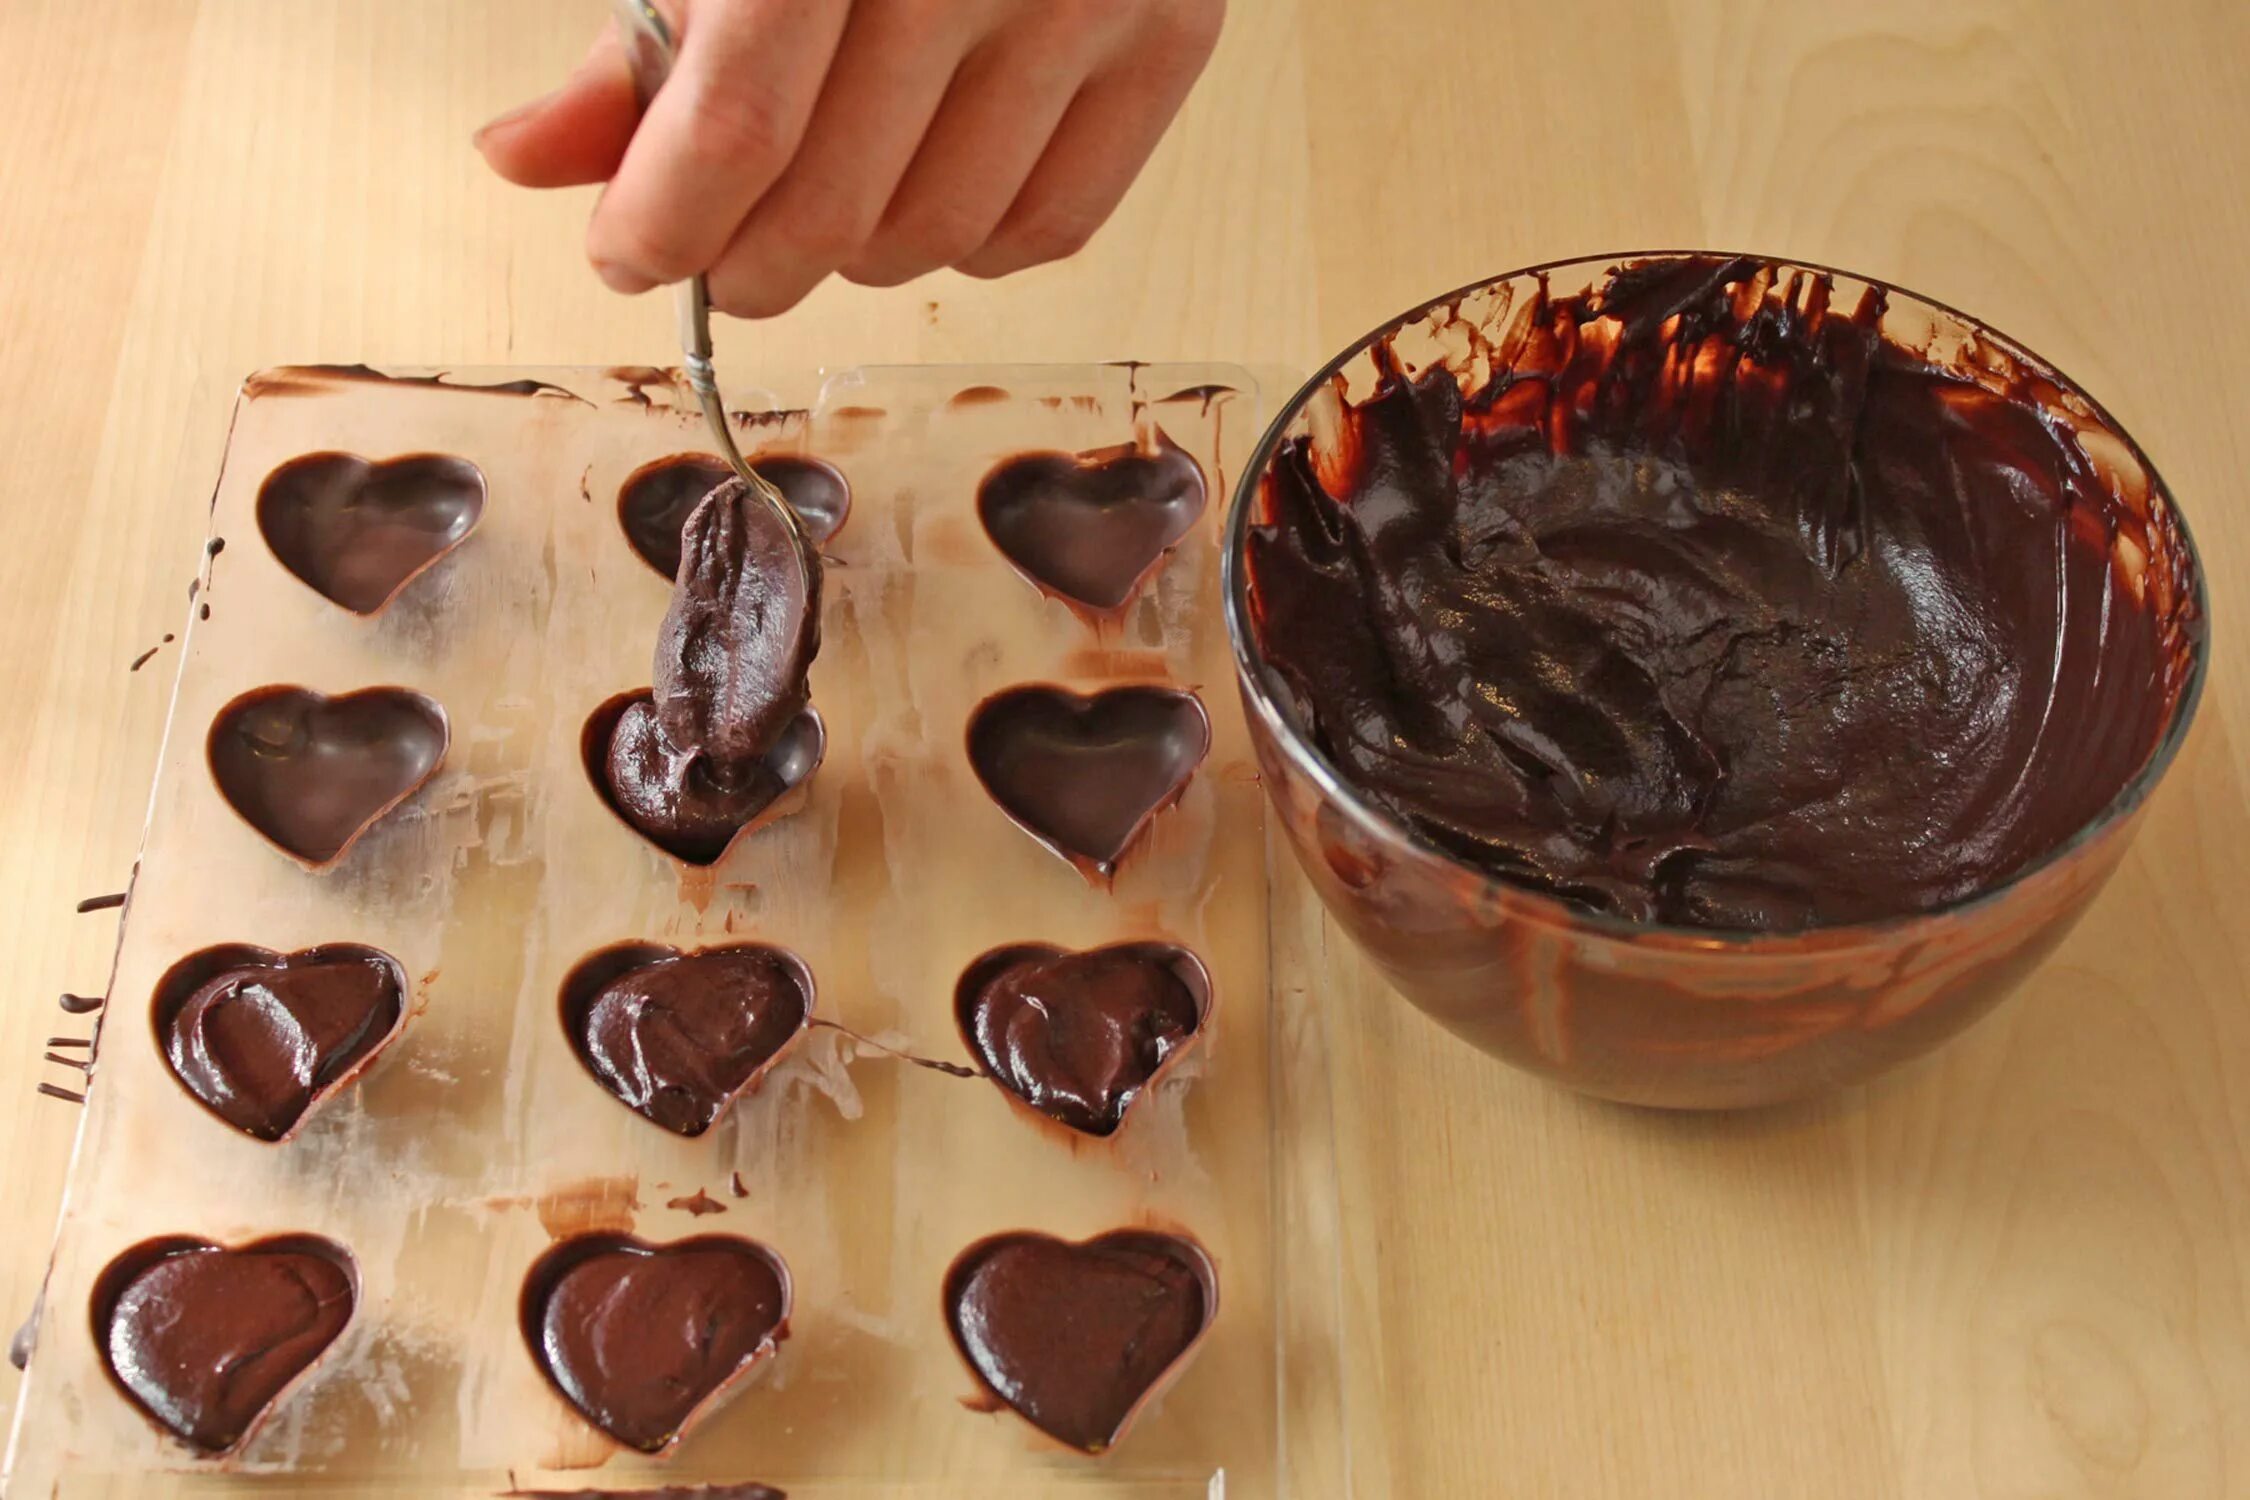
1085 775
1092 528
673 800
644 1340
312 773
678 1037
1078 1037
260 1038
1077 1339
654 502
206 1340
358 532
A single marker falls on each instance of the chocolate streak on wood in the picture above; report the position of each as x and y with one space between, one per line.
101 903
70 1041
82 1064
79 1005
951 1070
54 1091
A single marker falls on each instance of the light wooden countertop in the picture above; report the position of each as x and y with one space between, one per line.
2021 1268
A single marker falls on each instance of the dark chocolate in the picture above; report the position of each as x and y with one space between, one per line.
642 1339
358 532
741 633
313 773
261 1037
681 802
1092 528
101 903
1085 775
1714 606
698 1204
206 1339
287 380
1078 1036
654 503
79 1005
57 1091
1075 1338
26 1340
677 1037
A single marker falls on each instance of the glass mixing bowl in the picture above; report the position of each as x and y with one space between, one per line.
1689 1017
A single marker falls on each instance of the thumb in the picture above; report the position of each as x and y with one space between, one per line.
577 134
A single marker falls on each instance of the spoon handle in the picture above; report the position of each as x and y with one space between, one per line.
650 52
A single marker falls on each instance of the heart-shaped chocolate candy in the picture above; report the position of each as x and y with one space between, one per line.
206 1340
678 1037
1085 775
644 1339
676 801
655 500
1078 1037
359 532
261 1037
1077 1338
313 773
1092 528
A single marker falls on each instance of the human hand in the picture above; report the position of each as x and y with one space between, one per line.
877 138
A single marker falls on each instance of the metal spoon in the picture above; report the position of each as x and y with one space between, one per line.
650 52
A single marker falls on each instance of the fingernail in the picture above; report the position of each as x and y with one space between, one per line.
510 117
622 279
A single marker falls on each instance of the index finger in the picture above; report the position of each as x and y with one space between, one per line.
717 136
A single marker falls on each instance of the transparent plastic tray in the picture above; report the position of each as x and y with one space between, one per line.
478 1137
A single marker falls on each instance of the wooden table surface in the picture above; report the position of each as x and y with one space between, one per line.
2018 1269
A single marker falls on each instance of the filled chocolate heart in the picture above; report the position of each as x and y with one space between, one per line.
1077 1338
312 773
644 1339
1092 528
1078 1037
682 803
1084 775
261 1037
206 1340
679 1036
358 532
656 499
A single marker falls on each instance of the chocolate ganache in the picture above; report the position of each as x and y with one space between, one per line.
1713 605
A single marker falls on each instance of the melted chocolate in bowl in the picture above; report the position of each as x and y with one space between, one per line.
1715 597
206 1340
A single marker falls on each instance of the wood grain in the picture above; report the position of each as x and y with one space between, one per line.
2020 1269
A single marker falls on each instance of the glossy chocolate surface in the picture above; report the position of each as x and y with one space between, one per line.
1092 527
1077 1036
358 532
1084 775
312 772
259 1037
639 1338
1715 607
204 1339
1075 1337
656 499
676 1036
682 802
